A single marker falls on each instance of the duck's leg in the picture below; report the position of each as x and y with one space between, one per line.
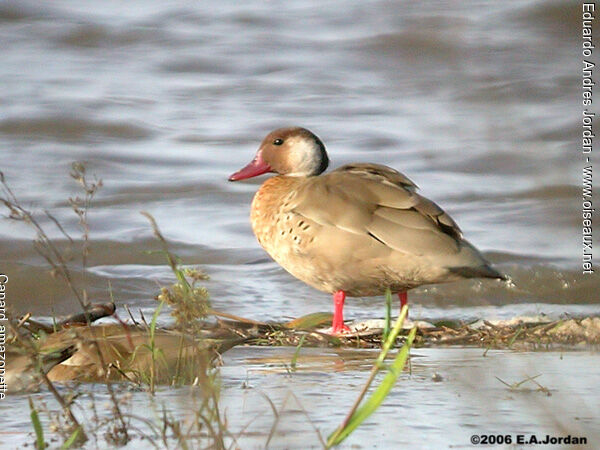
337 325
403 296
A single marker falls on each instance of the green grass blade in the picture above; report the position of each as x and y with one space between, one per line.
514 338
153 322
37 426
388 314
387 345
391 339
72 439
310 321
297 352
180 275
375 400
152 345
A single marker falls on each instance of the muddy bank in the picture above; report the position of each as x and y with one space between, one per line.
71 350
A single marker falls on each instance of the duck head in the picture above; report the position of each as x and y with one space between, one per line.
295 152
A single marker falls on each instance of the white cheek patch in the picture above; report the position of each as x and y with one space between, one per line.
304 157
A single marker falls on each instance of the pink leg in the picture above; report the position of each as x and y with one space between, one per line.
403 296
337 325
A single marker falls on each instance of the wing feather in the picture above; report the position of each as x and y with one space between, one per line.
375 200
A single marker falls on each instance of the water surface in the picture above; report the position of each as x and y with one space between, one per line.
477 102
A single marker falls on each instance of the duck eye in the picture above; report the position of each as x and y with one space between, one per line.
278 141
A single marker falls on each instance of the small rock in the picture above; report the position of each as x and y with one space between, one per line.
436 377
477 325
519 320
591 327
569 329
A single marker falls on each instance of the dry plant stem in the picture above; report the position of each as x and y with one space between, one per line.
321 440
58 225
66 408
161 238
53 256
151 425
42 244
220 435
78 173
276 421
59 398
209 412
123 374
135 322
23 319
81 209
241 431
164 428
233 317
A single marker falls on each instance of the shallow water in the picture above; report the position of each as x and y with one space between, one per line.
163 100
419 412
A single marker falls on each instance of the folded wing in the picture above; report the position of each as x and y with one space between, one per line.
375 200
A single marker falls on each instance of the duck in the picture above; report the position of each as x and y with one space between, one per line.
355 231
24 367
